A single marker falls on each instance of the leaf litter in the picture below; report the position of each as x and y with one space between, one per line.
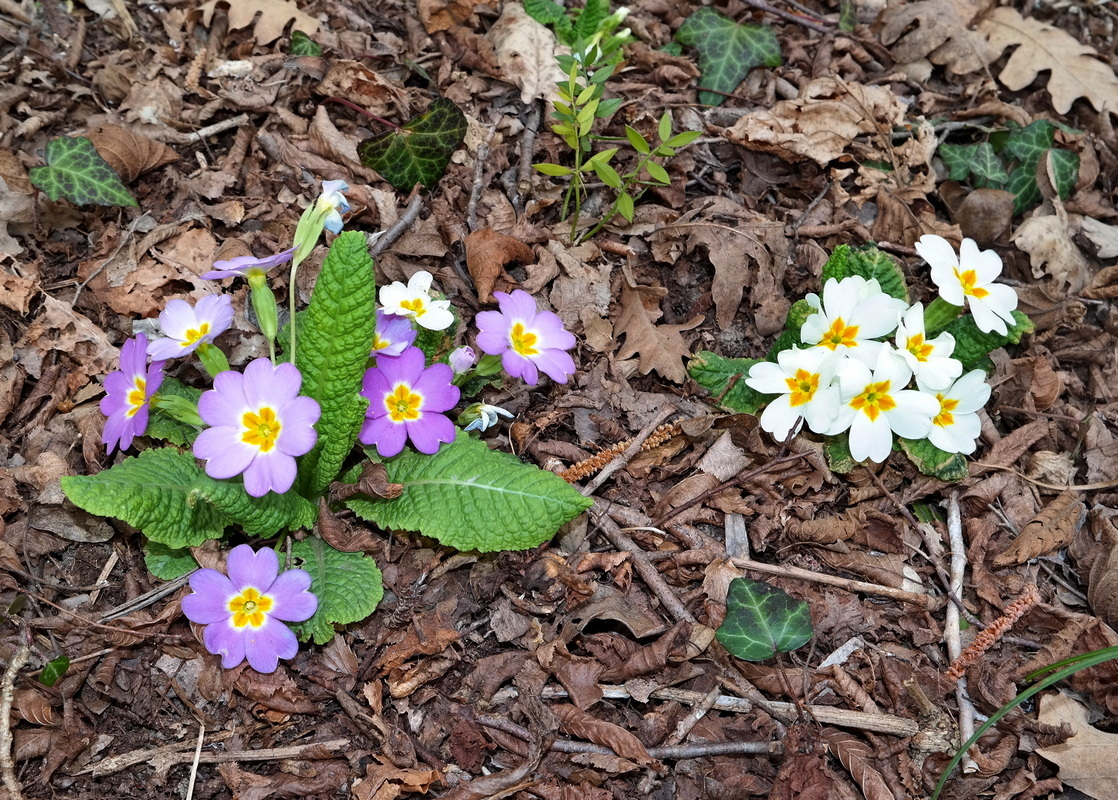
586 667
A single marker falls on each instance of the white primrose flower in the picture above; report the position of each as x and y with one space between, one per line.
929 359
414 301
486 416
875 405
968 279
956 425
331 204
804 380
851 315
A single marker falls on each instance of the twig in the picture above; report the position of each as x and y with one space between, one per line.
699 711
820 26
86 621
178 753
7 696
479 176
197 759
397 229
1083 487
128 234
927 601
951 622
527 146
146 599
629 452
675 752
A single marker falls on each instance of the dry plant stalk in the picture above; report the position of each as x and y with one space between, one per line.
985 640
588 466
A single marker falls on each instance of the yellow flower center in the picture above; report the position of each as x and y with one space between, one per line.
250 608
874 400
523 340
379 343
195 334
840 334
403 404
919 348
262 428
416 306
945 418
136 397
803 386
968 279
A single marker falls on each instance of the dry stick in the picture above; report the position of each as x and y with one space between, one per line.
1083 487
820 26
697 713
627 455
527 146
180 753
146 599
197 758
7 695
927 601
479 176
397 228
659 753
129 631
951 623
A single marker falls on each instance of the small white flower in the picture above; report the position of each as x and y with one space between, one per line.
956 425
486 416
968 278
332 204
414 300
851 315
929 359
804 380
876 405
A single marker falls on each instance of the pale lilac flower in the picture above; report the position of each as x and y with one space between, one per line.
244 613
956 425
804 381
929 359
128 393
259 424
968 278
482 416
406 401
852 313
394 335
185 328
248 266
332 204
414 301
527 340
876 405
461 359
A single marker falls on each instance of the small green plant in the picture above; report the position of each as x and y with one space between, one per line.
762 621
592 25
76 171
579 106
1008 160
727 51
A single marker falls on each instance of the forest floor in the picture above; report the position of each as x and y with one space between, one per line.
585 668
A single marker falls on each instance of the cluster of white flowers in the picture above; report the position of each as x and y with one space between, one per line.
848 378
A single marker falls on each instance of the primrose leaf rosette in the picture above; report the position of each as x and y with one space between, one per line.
472 498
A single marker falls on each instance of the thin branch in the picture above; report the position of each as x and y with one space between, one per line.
479 177
951 622
388 237
627 455
930 602
7 696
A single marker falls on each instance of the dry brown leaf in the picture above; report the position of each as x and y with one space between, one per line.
857 757
661 347
60 328
982 214
821 123
1076 70
130 154
1103 235
936 30
274 16
353 81
525 51
577 722
1086 760
442 15
1054 527
1095 550
487 253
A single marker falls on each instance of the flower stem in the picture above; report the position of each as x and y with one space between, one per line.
939 315
213 360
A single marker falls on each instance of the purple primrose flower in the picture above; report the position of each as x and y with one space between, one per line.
258 425
394 334
461 359
405 403
527 340
248 266
244 613
128 393
185 327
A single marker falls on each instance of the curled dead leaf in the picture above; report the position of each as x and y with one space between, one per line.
487 253
576 722
525 51
1095 550
982 214
1054 527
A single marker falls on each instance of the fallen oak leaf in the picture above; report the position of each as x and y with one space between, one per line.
487 253
661 347
1086 759
525 52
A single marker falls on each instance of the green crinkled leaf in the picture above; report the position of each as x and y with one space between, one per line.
727 51
762 620
303 45
335 337
54 670
930 460
972 346
1065 171
1022 184
1028 144
167 563
590 18
714 373
257 516
839 458
793 323
978 160
472 498
868 262
165 427
547 12
420 150
76 171
348 587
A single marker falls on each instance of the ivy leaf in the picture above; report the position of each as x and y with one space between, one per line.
762 620
303 45
727 50
930 460
472 498
76 171
868 262
420 150
348 587
335 337
714 373
1022 185
167 496
168 563
1065 171
978 160
54 670
1028 144
972 346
